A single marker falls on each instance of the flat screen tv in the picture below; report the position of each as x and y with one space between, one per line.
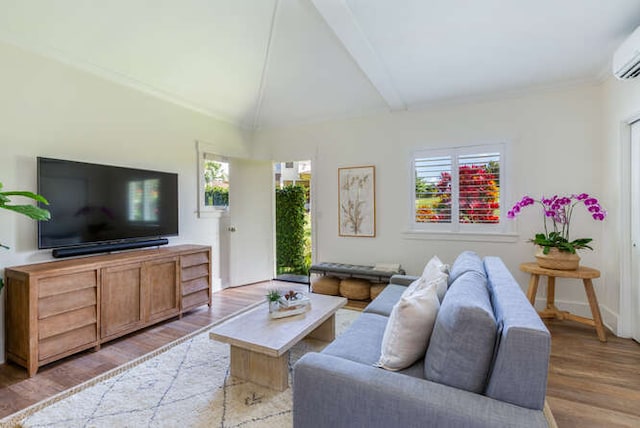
94 204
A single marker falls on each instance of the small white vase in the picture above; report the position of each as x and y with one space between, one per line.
274 306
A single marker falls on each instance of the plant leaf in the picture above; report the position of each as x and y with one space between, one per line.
25 194
31 211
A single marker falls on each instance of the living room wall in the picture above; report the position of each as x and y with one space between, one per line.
50 109
554 143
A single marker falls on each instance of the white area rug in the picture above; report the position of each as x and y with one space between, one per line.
188 385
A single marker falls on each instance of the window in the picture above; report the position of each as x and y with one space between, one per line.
216 183
458 189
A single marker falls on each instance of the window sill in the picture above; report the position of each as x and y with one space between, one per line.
460 236
211 213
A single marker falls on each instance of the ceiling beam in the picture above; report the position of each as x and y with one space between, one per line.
339 18
265 68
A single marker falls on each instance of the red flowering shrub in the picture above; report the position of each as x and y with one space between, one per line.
478 197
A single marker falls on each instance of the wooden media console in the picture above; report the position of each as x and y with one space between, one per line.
55 309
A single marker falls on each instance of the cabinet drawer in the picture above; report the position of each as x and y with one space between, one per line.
193 272
66 283
195 299
61 303
65 322
64 342
194 285
194 259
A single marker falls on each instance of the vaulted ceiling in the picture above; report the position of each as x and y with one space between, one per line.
270 63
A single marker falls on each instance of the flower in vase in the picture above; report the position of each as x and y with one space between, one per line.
557 212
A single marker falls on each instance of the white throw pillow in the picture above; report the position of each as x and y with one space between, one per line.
418 283
436 271
408 330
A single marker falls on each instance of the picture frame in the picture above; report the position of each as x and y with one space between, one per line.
357 201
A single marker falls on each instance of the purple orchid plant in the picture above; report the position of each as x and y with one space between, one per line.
558 210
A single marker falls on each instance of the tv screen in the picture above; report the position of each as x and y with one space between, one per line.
93 204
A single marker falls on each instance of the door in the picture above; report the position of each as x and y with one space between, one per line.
121 305
249 234
635 228
161 279
293 220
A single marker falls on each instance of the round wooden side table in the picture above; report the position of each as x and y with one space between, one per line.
586 274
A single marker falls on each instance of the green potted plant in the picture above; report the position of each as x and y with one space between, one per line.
28 210
273 297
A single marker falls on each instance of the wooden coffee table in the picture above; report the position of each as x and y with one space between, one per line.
260 345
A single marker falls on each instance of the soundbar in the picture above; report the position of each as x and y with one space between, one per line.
108 247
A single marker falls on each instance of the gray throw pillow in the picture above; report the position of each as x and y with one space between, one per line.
461 347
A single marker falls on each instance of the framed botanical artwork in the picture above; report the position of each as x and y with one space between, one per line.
357 201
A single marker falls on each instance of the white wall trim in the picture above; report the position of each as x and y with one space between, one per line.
210 214
626 319
265 67
460 236
314 207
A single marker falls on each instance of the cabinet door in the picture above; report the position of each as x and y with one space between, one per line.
161 282
121 305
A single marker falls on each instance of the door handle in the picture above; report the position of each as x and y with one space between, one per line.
231 228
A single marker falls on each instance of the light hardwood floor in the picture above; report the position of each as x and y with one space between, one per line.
591 384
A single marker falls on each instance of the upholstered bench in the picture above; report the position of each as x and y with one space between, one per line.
355 282
342 270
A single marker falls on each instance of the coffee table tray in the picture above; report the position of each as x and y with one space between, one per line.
289 312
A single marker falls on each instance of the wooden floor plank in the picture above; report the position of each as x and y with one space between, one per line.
591 384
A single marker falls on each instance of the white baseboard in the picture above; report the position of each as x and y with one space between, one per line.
609 318
216 284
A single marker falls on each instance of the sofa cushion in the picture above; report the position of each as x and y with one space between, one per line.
383 304
409 327
361 341
467 261
461 346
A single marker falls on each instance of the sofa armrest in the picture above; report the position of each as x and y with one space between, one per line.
402 279
334 392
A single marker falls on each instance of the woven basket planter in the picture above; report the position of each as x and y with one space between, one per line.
355 289
376 289
558 260
329 285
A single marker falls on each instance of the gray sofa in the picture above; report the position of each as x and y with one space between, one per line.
485 366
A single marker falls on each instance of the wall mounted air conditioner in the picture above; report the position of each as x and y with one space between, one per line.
626 60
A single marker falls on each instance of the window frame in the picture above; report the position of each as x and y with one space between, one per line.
205 155
455 227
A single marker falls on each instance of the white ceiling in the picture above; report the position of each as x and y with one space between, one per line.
270 63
